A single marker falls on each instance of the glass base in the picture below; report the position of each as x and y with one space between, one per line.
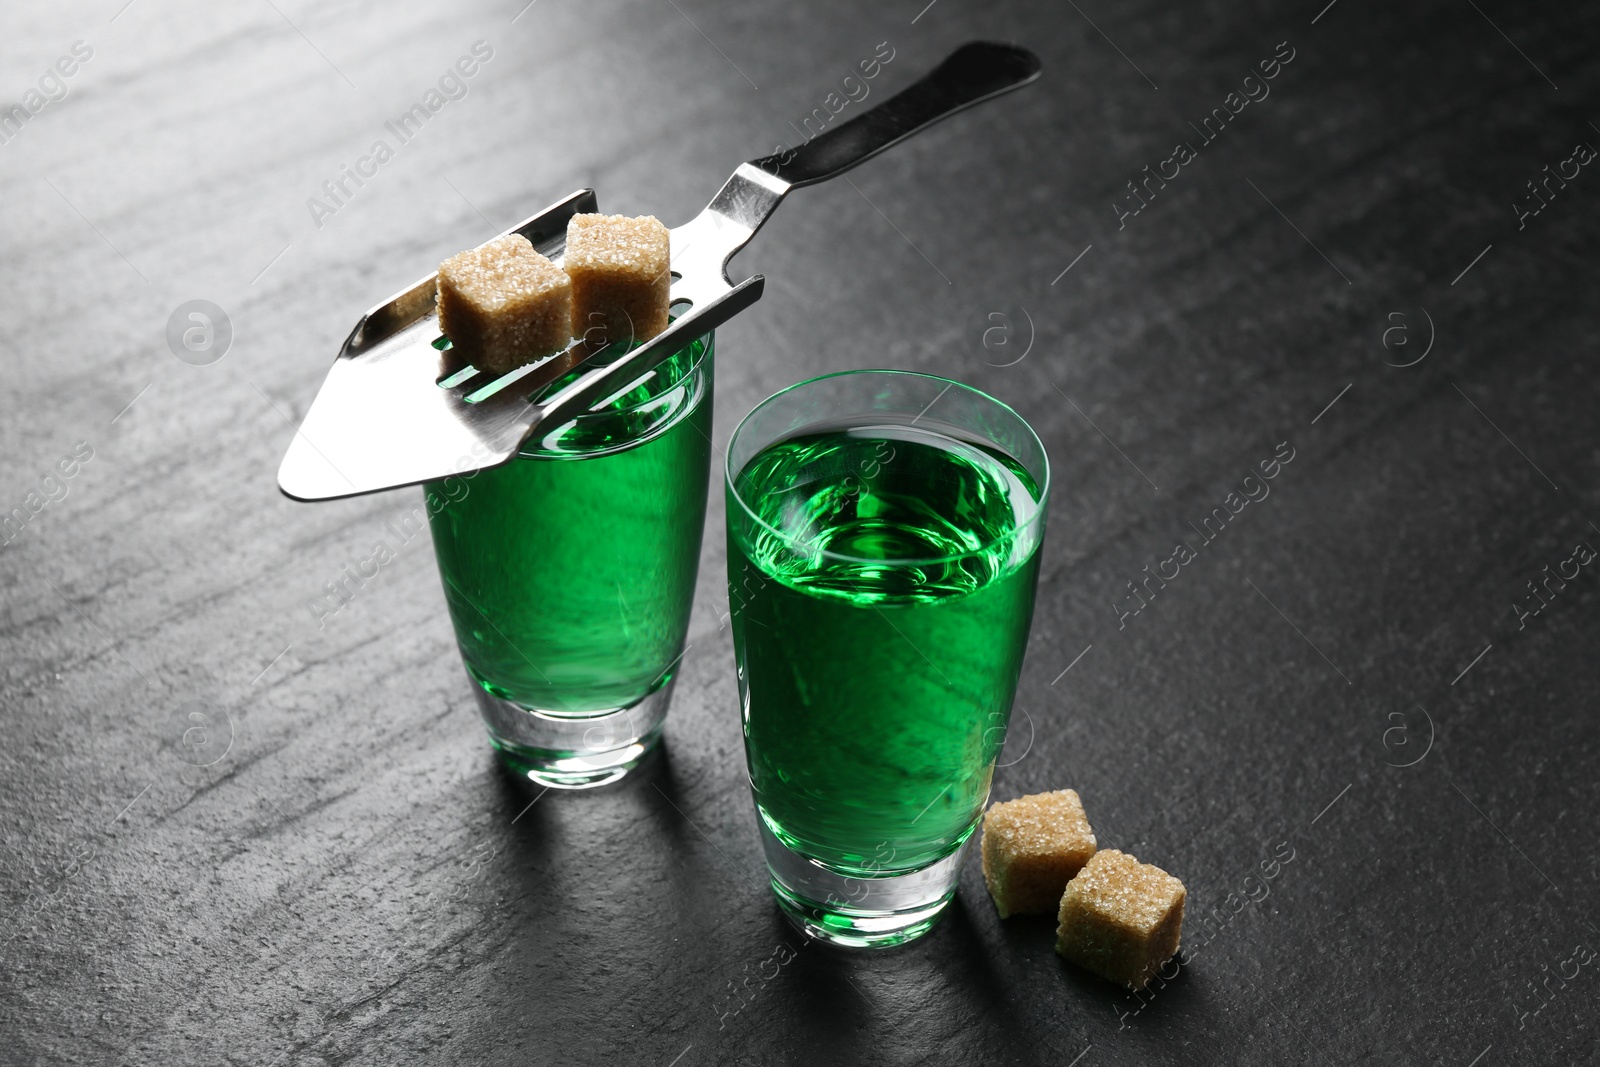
564 751
858 910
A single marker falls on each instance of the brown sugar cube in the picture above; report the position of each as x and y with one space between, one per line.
621 271
1032 846
502 304
1121 918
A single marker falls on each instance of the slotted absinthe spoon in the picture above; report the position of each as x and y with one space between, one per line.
395 411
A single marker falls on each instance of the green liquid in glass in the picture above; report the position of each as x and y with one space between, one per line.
880 638
569 571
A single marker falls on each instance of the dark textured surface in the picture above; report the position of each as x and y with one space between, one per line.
355 882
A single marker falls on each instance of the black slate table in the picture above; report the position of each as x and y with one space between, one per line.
1359 722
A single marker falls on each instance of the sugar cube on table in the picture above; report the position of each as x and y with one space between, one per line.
1032 846
503 304
1120 918
621 271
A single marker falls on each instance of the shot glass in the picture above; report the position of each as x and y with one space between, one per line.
883 549
569 573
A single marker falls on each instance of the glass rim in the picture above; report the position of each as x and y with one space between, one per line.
1040 503
589 418
652 372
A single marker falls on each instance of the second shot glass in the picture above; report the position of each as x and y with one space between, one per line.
883 548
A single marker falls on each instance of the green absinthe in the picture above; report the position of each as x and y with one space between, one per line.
570 570
881 585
